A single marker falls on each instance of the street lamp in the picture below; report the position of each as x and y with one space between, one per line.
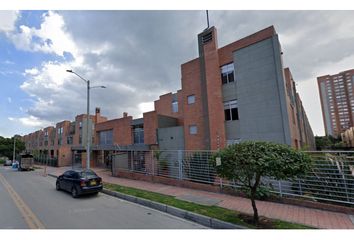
88 140
14 150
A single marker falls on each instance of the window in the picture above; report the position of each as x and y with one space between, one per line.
227 73
68 174
76 175
191 99
69 140
231 110
138 135
174 106
193 129
60 131
106 137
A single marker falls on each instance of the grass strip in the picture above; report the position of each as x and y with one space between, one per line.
220 213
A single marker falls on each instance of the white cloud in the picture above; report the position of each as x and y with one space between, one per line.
32 71
51 37
31 121
8 20
51 76
9 100
146 107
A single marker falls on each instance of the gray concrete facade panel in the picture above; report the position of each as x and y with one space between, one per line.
166 121
232 129
261 100
229 91
171 138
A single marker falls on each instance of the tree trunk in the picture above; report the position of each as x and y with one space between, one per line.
253 198
255 211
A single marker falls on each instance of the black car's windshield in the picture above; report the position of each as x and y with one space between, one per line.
87 174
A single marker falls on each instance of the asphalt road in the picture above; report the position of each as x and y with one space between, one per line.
27 197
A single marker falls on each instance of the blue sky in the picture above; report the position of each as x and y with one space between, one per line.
14 62
137 55
13 100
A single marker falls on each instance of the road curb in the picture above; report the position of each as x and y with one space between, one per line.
194 217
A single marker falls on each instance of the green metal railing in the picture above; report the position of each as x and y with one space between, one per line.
45 160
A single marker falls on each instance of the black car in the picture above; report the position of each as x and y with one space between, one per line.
79 182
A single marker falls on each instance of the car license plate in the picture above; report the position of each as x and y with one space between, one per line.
93 183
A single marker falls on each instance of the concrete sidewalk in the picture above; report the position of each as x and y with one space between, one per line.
290 213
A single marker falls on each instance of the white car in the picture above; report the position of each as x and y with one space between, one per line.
8 163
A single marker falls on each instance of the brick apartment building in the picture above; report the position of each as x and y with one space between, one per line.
230 94
337 101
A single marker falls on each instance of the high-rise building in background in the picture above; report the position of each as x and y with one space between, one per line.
337 101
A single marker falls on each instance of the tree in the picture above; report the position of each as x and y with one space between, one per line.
249 161
328 142
7 145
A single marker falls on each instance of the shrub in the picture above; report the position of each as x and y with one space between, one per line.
249 161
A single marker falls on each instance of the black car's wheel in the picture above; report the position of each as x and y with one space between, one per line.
74 192
57 186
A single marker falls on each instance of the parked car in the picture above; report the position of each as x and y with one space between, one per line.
78 182
7 163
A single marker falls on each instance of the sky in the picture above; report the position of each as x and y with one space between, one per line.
137 56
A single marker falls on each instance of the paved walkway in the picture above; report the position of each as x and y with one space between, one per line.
291 213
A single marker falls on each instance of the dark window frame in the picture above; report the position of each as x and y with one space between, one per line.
227 73
231 110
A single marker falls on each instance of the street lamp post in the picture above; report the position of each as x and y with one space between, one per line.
88 137
14 152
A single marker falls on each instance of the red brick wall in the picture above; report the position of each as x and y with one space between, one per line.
150 126
122 131
163 106
225 53
65 156
291 110
65 125
83 160
214 91
78 119
193 114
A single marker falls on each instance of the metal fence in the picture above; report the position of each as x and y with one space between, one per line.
331 178
44 160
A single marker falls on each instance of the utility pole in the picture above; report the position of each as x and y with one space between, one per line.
14 153
207 13
88 136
